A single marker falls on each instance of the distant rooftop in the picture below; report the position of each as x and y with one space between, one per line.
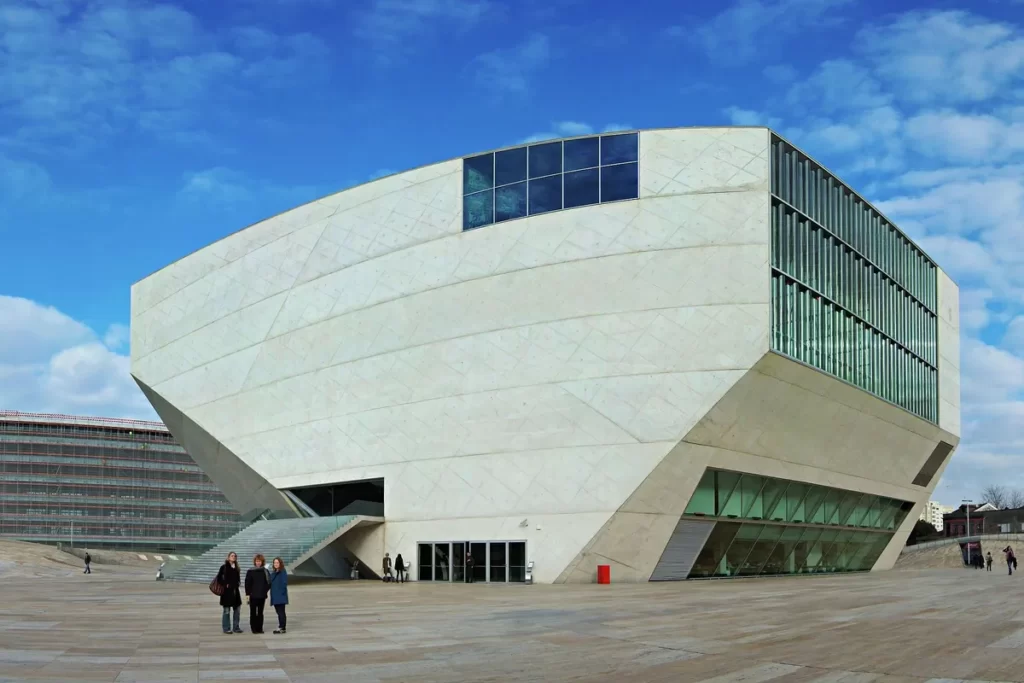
55 418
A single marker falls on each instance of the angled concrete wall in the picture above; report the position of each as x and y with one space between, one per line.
532 370
562 379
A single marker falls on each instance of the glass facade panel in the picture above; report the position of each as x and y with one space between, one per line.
561 174
545 159
702 502
851 295
478 210
793 527
619 182
582 153
582 188
617 149
711 559
545 194
509 202
509 166
477 173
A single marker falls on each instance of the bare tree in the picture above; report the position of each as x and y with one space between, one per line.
996 495
1015 498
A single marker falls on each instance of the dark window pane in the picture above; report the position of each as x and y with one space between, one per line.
510 166
581 153
477 209
477 173
545 194
616 149
582 188
709 561
761 551
619 182
545 159
509 202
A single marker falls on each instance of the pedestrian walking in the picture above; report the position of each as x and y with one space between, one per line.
88 561
257 587
279 593
386 569
470 563
988 560
229 580
401 575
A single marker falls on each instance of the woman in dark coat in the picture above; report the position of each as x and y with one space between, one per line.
400 571
231 599
257 588
279 594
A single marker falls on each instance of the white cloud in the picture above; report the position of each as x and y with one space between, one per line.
508 70
945 56
958 137
74 75
117 335
50 362
748 117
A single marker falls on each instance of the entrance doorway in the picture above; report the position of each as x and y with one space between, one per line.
493 561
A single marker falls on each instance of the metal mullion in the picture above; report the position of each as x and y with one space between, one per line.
731 491
764 482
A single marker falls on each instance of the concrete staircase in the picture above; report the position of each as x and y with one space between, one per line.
293 540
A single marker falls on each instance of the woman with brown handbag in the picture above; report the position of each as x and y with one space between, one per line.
227 582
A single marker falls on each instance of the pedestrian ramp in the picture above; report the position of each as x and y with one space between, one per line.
293 540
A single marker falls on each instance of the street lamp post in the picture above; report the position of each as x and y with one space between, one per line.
967 506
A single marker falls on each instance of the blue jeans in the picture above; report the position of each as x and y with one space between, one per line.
225 620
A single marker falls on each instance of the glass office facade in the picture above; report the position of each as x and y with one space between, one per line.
851 295
768 526
119 484
549 176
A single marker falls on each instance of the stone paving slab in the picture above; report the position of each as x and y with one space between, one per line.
935 626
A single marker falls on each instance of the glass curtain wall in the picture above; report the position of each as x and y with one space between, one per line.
104 486
494 561
851 295
770 526
549 176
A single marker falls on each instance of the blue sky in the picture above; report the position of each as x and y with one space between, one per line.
134 132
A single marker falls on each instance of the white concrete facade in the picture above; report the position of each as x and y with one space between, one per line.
557 370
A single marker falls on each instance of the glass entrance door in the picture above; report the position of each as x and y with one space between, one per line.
479 553
493 561
458 562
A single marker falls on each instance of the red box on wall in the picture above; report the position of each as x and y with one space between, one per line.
604 573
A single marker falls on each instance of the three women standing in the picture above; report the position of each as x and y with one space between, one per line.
257 586
230 599
279 593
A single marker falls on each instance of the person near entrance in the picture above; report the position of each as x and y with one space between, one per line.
401 575
386 569
469 567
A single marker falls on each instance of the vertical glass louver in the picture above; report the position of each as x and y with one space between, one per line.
851 295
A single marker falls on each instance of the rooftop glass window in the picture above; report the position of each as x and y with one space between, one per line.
549 176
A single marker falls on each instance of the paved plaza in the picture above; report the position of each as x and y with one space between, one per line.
120 625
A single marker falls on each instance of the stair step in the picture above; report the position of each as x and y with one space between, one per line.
288 539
